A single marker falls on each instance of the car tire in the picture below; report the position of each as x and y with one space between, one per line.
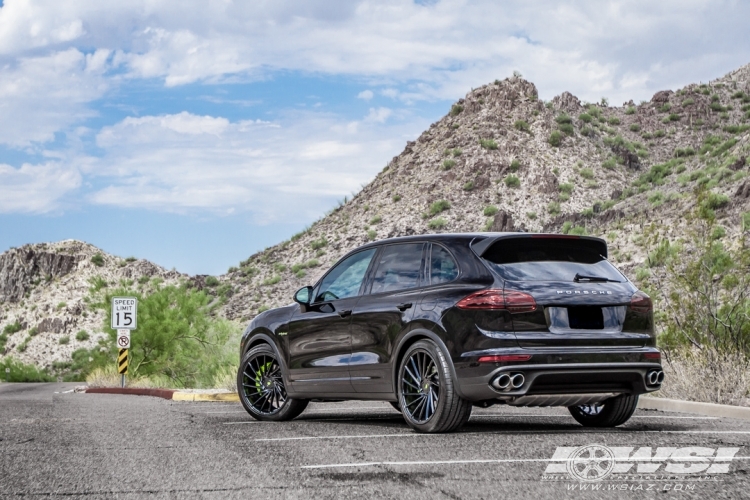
610 413
260 385
426 391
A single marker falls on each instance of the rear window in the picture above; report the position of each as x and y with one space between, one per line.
549 259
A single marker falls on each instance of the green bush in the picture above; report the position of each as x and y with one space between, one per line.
512 181
635 127
683 152
396 198
211 281
587 131
522 125
438 223
688 102
566 188
12 328
553 208
97 259
656 199
673 117
439 206
469 186
64 340
456 109
515 165
488 144
585 117
630 111
614 121
272 280
566 128
609 164
372 234
736 129
665 107
563 119
586 173
82 336
376 220
319 243
490 210
34 331
531 215
21 372
449 164
555 138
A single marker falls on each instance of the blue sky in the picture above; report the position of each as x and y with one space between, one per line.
197 133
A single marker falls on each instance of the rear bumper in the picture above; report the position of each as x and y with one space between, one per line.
622 372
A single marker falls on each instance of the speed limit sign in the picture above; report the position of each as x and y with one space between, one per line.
124 313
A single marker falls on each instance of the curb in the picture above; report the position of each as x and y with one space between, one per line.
708 409
172 394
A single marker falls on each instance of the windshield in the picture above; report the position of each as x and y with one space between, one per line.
548 259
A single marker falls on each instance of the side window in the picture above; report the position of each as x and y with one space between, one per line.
399 268
442 266
345 279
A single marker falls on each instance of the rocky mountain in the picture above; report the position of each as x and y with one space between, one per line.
500 160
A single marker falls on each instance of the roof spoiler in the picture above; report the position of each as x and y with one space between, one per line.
481 245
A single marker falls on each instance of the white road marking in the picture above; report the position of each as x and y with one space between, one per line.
366 436
454 462
568 416
243 422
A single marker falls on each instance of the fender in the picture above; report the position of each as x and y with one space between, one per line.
271 341
441 345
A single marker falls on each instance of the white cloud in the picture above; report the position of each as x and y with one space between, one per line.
35 188
366 95
275 171
379 115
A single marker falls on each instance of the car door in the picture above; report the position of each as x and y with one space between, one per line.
383 313
319 337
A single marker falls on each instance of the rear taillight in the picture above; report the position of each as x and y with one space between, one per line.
509 300
641 303
652 355
502 358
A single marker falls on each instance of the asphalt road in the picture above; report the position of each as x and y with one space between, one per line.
54 444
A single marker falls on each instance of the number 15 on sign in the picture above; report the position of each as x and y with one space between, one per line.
124 313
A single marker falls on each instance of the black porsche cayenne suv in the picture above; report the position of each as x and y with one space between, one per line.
438 323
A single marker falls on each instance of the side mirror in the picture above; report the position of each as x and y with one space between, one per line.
303 296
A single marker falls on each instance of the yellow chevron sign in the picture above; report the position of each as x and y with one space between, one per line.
122 362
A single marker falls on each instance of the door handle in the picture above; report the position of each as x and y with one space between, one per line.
404 306
345 312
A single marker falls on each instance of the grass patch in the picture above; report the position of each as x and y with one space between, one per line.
586 173
585 117
490 210
456 110
372 234
566 188
522 125
448 164
683 152
515 165
469 186
82 336
376 220
396 198
64 340
97 260
630 111
553 208
319 243
439 206
512 181
489 144
272 280
635 127
555 138
614 121
609 164
437 223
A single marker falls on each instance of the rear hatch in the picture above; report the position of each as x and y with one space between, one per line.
581 298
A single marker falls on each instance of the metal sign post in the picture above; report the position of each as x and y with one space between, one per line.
124 320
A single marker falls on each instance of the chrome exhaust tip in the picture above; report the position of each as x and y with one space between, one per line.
517 380
655 377
502 382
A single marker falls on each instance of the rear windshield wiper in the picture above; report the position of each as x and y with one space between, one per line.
583 277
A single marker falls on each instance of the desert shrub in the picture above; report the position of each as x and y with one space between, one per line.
664 108
448 164
488 144
585 117
21 372
673 117
614 121
635 127
555 138
566 188
469 186
563 119
34 331
211 281
630 111
566 128
512 181
97 259
64 340
12 328
656 198
683 152
586 173
376 220
736 129
587 131
456 109
396 198
515 165
319 243
437 223
705 375
490 210
272 280
688 102
531 215
457 152
372 234
609 164
553 208
82 336
724 147
439 206
522 125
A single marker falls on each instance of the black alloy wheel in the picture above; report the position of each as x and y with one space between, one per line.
260 384
609 413
426 391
